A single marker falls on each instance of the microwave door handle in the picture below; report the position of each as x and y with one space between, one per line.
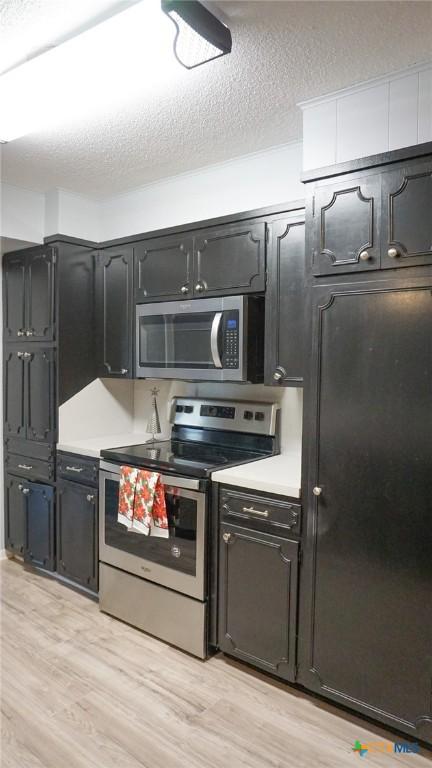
214 339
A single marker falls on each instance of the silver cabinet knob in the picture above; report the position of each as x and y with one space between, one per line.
199 287
226 537
20 355
90 497
20 486
279 373
365 256
21 333
184 289
26 491
26 355
317 491
392 253
123 371
29 333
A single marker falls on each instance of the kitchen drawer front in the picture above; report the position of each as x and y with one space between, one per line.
29 467
30 448
78 468
278 516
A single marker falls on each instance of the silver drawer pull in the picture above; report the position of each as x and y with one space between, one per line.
25 466
90 497
26 491
252 511
75 469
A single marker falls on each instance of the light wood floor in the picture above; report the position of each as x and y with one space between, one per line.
82 690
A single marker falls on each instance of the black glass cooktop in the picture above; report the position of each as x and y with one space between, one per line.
182 456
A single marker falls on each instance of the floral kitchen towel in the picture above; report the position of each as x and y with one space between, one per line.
142 502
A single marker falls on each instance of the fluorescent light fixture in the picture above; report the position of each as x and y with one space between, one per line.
200 36
123 58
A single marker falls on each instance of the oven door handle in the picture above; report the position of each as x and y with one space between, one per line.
214 339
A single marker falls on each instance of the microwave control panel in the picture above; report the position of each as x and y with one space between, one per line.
231 339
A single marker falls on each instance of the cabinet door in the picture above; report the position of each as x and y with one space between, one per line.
163 269
14 514
230 259
345 221
285 325
40 294
14 296
40 394
115 312
407 216
258 599
39 547
77 533
366 628
14 394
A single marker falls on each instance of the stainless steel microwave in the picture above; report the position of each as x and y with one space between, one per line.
202 339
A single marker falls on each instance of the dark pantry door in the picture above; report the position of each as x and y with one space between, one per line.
366 612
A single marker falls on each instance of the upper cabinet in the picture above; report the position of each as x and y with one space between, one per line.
345 226
217 261
28 287
407 215
164 269
115 308
376 218
230 259
285 301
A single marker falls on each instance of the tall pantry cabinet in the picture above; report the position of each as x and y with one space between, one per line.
365 635
48 356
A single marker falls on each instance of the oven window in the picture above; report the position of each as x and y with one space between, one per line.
176 341
177 552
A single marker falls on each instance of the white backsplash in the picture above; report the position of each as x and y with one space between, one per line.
114 406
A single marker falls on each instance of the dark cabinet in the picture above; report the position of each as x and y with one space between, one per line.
407 215
15 520
258 599
29 295
39 539
286 302
164 269
14 296
29 387
366 607
77 533
346 217
40 395
223 260
230 259
14 389
115 312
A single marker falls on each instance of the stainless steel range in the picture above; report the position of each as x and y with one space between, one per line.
162 585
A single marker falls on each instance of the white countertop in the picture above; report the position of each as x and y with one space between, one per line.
278 474
92 446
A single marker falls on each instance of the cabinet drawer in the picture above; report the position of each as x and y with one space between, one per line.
29 467
264 513
30 448
77 468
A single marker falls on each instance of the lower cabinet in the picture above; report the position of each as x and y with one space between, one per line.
258 599
77 533
14 514
39 549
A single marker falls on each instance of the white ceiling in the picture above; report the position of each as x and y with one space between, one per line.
283 52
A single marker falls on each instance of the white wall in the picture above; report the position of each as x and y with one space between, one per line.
22 213
247 182
372 117
74 215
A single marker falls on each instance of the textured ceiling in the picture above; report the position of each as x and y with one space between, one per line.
283 52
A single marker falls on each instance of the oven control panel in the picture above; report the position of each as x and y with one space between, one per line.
235 416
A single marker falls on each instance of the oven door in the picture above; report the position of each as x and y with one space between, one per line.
177 562
190 339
